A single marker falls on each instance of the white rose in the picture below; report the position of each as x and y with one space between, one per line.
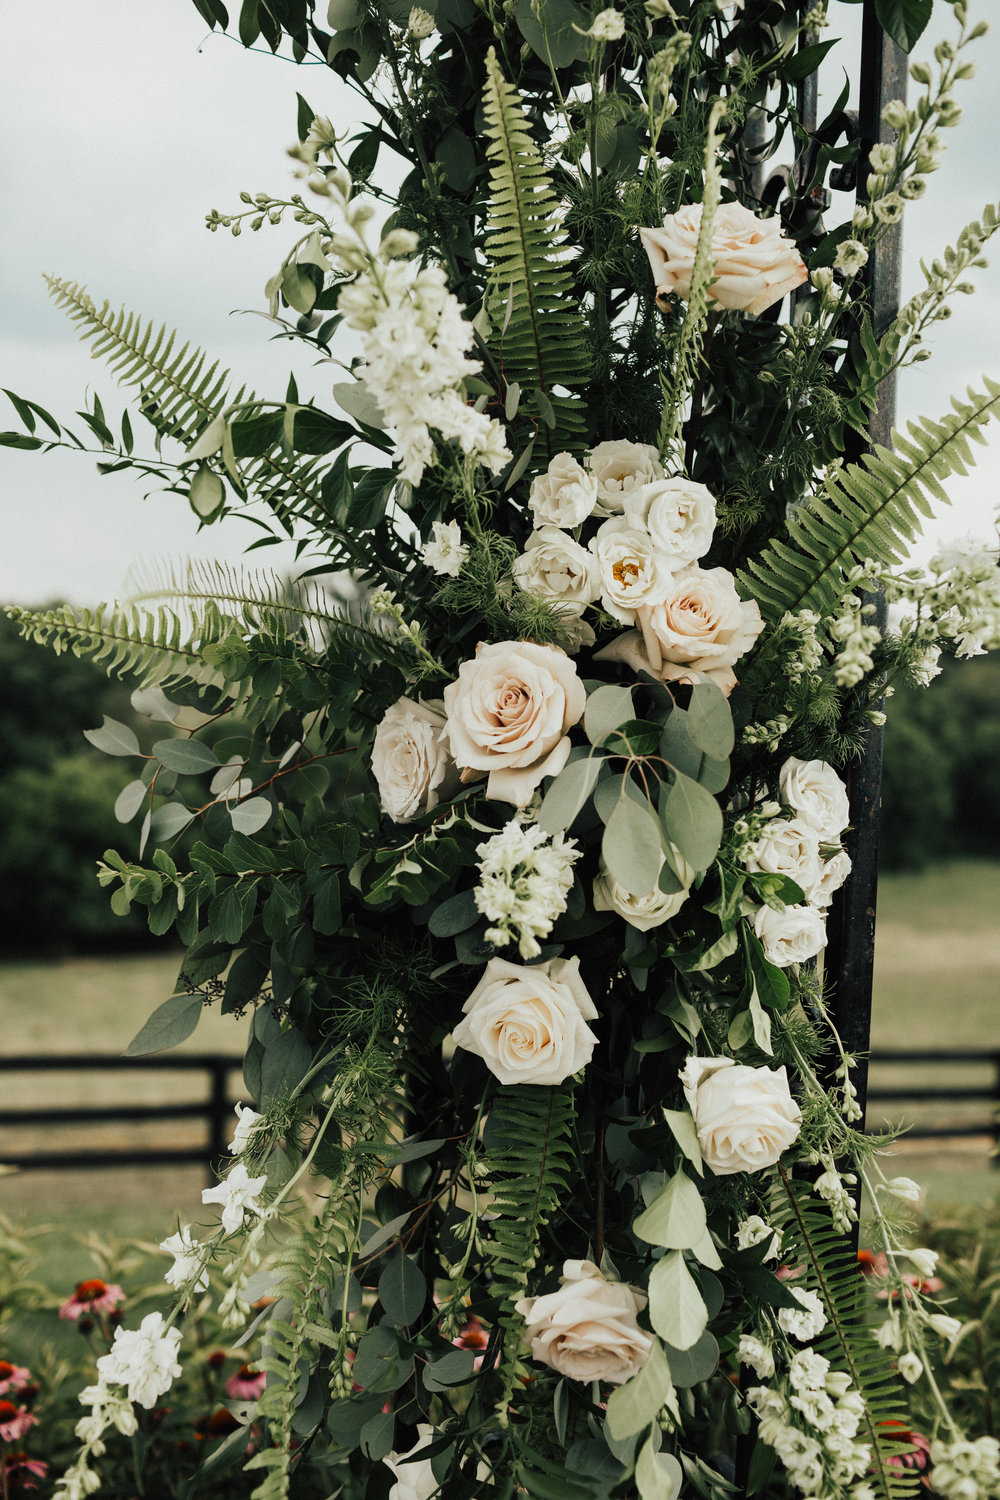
587 1329
508 714
833 872
817 794
679 516
699 631
790 847
791 936
755 264
410 759
643 912
745 1117
565 495
620 467
559 569
631 570
529 1025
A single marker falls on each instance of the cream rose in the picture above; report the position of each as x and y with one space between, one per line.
529 1025
790 847
631 571
755 263
587 1329
565 495
833 872
410 759
817 794
642 912
791 936
700 630
745 1117
679 516
508 714
559 569
620 467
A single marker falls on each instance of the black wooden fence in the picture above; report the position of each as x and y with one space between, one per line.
215 1105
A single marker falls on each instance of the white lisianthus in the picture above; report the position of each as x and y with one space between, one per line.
851 257
813 789
791 936
745 1117
755 263
524 878
803 1323
410 759
620 468
642 912
188 1256
247 1120
557 568
631 570
529 1025
445 553
565 495
679 516
508 714
759 1356
239 1194
587 1329
789 847
143 1359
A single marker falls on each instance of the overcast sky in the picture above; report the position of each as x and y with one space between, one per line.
124 122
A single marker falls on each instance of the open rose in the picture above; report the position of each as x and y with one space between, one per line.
508 714
679 516
587 1329
556 567
620 468
789 847
745 1117
817 794
410 759
529 1025
565 495
791 936
701 629
631 571
754 263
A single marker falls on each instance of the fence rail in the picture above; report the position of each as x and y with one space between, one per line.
215 1106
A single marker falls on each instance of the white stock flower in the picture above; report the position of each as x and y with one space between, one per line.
587 1329
700 630
803 1323
642 912
143 1359
529 1025
807 1371
239 1195
813 789
910 1366
755 264
189 1259
607 26
565 495
745 1117
620 468
410 759
445 553
791 936
247 1120
679 516
524 878
754 1231
558 569
414 1481
631 570
789 847
759 1356
508 714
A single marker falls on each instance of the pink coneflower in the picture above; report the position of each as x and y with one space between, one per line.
872 1263
92 1297
13 1378
246 1385
22 1472
15 1421
920 1448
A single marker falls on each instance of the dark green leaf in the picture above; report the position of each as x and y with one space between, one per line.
376 1435
634 737
286 1061
19 440
316 432
402 1289
230 912
904 20
457 914
170 1023
249 26
692 820
305 116
800 64
456 1368
246 976
326 904
558 44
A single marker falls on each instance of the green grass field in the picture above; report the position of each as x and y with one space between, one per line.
937 984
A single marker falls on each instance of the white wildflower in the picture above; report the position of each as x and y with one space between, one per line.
524 879
910 1366
607 26
143 1359
805 1322
965 1470
239 1194
247 1120
924 1261
754 1231
903 1188
851 257
421 24
758 1355
445 553
189 1259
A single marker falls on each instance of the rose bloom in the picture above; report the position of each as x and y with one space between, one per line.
587 1329
745 1117
642 912
755 264
558 569
815 791
631 571
699 631
410 759
13 1378
791 936
14 1421
832 874
508 714
789 847
565 495
679 516
621 468
246 1385
92 1297
529 1025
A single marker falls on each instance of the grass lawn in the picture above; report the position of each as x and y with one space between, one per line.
937 984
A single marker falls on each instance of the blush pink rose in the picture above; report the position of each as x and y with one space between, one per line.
755 263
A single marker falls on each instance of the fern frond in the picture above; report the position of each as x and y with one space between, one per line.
811 1243
867 512
542 338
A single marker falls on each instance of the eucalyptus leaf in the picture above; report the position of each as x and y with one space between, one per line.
568 792
690 1367
692 819
250 817
129 800
658 1476
186 757
402 1289
456 1368
354 397
170 1023
676 1218
206 493
631 846
632 1406
554 37
286 1061
710 721
169 819
676 1307
606 709
113 738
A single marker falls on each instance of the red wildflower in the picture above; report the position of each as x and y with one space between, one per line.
92 1297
